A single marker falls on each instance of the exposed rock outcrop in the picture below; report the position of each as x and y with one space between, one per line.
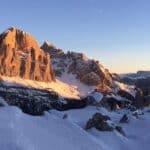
99 122
111 103
35 101
47 46
87 70
51 49
21 56
126 95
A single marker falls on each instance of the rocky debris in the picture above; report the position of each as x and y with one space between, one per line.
138 113
21 56
126 95
67 104
99 122
111 103
132 108
124 119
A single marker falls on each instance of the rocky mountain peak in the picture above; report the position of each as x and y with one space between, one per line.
47 46
88 71
21 56
51 49
16 38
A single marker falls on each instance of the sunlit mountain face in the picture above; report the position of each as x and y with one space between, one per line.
74 75
21 56
50 96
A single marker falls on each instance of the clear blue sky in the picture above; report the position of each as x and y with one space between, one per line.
116 32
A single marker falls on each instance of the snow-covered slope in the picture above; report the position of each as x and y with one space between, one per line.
137 130
23 132
71 80
70 88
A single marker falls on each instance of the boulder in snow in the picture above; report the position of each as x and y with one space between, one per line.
99 122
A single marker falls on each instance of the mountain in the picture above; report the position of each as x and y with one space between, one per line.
21 56
78 65
52 99
47 46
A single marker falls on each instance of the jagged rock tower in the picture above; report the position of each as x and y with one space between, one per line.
21 56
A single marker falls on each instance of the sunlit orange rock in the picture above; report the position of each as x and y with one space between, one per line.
21 56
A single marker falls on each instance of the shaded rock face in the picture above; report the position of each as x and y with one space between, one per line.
87 70
35 101
29 100
112 104
69 104
51 49
126 95
21 56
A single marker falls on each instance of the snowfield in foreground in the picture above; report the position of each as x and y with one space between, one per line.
19 131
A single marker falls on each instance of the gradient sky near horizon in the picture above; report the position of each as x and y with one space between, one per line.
116 32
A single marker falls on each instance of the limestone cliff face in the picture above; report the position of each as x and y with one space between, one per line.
21 56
